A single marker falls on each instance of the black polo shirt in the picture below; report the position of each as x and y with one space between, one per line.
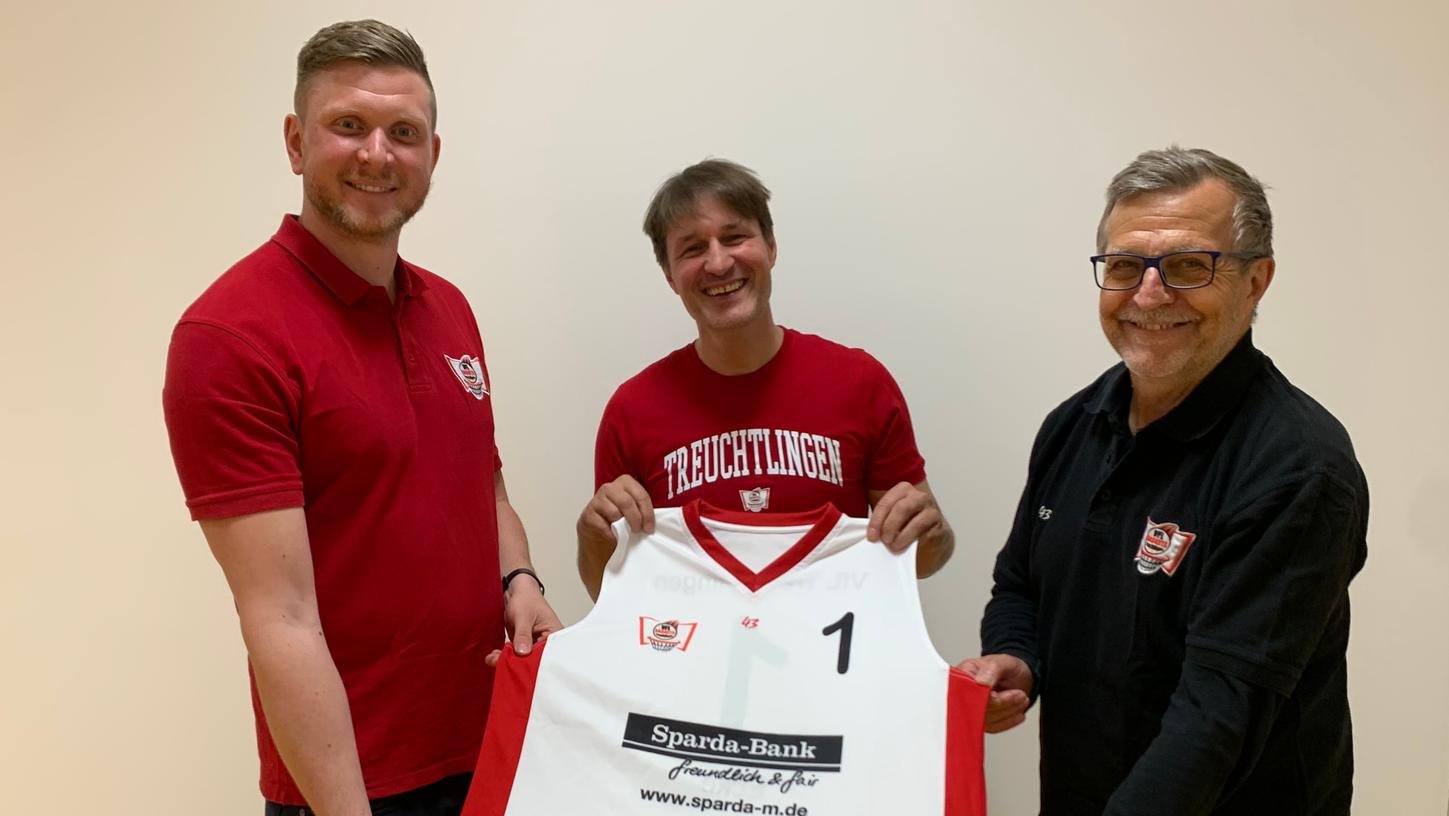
1182 596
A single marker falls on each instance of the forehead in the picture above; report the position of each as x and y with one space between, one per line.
1201 215
389 89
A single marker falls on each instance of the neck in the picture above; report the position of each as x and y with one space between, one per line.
373 259
742 350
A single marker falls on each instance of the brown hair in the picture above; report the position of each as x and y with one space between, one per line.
733 185
366 41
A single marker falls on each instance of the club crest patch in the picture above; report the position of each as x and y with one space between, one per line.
665 635
1162 548
469 371
755 500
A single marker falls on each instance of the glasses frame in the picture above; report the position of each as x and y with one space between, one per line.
1155 261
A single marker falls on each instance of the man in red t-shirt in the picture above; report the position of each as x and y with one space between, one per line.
331 420
751 415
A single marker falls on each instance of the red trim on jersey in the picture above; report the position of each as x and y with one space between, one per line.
507 724
965 745
822 521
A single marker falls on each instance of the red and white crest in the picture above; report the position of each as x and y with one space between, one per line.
755 500
469 371
1162 548
665 635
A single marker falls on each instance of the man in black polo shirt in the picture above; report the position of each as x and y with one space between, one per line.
1175 585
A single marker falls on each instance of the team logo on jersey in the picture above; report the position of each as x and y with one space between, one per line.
469 371
665 635
1163 547
755 500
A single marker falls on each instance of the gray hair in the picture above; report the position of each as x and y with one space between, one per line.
1176 168
367 41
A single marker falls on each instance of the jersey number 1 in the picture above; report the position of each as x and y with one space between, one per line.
843 626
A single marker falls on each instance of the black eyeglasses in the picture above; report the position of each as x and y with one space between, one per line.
1192 269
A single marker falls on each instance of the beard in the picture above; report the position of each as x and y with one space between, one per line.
364 228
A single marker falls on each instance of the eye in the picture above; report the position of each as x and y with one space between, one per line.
690 250
350 125
405 132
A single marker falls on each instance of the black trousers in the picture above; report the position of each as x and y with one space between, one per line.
442 798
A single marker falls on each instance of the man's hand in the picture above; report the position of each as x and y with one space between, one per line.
1009 679
904 514
527 617
623 498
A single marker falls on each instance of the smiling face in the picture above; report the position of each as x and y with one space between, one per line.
364 145
719 264
1169 337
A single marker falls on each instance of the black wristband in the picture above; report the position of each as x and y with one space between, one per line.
508 579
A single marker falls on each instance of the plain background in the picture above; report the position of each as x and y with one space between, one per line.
937 169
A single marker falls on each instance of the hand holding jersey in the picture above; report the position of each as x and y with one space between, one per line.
1010 681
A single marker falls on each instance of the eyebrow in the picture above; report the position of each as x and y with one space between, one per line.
1169 252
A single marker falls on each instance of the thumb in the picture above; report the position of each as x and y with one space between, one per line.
982 671
523 640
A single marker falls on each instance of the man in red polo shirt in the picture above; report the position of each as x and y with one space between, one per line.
331 421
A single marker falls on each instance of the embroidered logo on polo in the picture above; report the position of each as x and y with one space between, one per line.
469 371
1162 548
665 635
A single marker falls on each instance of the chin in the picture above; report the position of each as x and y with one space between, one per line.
1154 365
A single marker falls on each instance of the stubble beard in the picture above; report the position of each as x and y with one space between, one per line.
334 212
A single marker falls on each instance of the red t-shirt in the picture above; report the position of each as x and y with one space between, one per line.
292 382
818 423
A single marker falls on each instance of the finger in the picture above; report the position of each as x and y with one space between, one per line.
604 509
642 501
491 659
905 509
545 625
997 728
923 523
982 671
881 510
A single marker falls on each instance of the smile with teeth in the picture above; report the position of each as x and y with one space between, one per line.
725 288
368 188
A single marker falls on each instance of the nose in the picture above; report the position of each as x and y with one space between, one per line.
1153 292
374 149
716 259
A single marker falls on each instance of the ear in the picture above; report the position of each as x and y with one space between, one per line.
292 136
669 278
1260 278
437 151
774 250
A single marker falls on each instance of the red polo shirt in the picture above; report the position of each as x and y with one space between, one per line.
292 382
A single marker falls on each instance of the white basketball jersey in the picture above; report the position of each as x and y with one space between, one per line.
738 662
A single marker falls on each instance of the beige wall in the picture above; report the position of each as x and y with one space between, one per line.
937 169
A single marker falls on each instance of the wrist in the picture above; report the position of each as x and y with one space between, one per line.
524 574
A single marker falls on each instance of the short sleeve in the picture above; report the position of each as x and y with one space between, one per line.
229 415
1277 578
894 457
610 461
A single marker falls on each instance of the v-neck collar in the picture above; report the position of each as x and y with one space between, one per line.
821 521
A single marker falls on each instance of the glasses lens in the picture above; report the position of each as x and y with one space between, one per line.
1187 270
1118 271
